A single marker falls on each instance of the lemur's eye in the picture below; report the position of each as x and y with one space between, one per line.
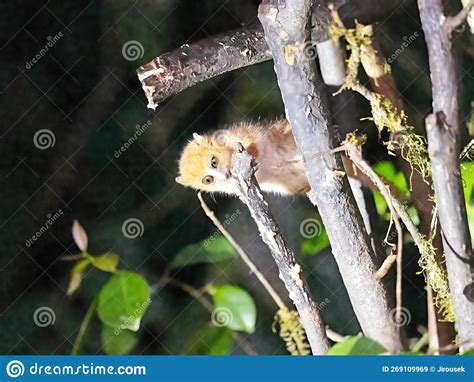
214 162
208 179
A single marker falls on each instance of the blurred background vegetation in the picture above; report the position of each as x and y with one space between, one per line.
88 95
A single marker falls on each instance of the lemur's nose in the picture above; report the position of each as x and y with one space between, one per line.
220 173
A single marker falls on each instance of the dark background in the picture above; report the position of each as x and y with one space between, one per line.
88 95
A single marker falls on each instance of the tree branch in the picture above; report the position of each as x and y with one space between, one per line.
344 115
190 64
286 26
246 259
290 271
452 22
444 132
193 63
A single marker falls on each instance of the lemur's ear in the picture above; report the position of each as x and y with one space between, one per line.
198 138
179 180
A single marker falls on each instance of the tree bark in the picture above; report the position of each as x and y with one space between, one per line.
190 64
193 63
290 271
443 131
286 26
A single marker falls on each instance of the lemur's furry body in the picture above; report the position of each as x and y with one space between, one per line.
205 161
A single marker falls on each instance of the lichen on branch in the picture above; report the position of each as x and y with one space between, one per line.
385 115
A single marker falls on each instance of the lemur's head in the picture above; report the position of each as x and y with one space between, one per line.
205 163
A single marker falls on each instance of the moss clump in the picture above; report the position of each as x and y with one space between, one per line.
411 146
291 331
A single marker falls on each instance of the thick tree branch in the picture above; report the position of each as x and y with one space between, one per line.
344 115
193 63
443 132
286 30
190 64
290 271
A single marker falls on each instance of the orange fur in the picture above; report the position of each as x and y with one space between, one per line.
271 144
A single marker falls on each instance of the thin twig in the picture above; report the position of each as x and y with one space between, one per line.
331 334
386 266
356 156
76 347
211 215
452 22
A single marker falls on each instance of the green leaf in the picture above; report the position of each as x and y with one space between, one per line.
233 307
107 262
381 206
357 346
206 251
315 244
469 352
388 171
77 274
467 173
123 300
116 341
210 341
